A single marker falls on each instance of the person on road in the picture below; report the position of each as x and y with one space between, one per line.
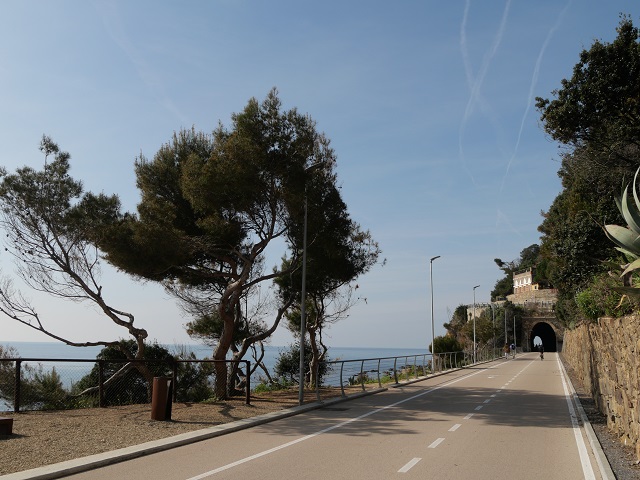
506 351
541 348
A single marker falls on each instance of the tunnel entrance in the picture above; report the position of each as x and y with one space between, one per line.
546 333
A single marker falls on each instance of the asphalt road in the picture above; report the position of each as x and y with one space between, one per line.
505 419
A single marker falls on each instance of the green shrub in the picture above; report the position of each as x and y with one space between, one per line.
265 387
39 389
131 387
446 343
287 367
601 299
193 378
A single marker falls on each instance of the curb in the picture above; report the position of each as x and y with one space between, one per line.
83 464
601 458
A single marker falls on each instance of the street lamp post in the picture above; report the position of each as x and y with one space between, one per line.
303 303
433 348
493 316
506 339
474 323
515 342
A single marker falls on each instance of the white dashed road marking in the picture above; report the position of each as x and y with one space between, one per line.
436 443
409 465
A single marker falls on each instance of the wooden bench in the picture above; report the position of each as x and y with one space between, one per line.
6 426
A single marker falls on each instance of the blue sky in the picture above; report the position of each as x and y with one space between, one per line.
429 106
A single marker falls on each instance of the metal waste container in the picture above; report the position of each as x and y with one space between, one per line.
161 396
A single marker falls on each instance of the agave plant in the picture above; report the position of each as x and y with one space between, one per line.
627 239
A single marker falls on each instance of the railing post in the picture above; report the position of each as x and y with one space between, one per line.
16 391
318 381
174 379
379 381
341 379
395 369
362 375
248 384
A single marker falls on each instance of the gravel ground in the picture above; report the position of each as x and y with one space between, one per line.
43 438
621 457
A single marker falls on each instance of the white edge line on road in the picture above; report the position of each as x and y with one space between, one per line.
587 469
409 465
333 427
436 443
601 458
455 427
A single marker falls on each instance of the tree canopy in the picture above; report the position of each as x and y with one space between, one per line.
529 258
47 218
212 204
599 106
595 115
334 261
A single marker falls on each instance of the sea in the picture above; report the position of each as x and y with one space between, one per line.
75 371
53 350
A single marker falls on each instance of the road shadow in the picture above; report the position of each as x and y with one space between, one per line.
437 400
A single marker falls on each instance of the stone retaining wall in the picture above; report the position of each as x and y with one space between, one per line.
606 357
547 295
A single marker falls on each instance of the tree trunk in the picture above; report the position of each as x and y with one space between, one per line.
220 367
315 358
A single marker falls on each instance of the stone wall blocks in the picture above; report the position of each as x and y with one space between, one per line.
605 356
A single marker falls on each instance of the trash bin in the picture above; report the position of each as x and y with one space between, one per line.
161 398
6 425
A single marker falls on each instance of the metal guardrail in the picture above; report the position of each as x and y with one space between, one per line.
41 383
355 375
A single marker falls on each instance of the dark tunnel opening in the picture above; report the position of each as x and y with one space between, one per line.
546 334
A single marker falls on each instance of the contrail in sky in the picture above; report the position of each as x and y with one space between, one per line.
502 218
463 44
116 30
534 81
476 84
